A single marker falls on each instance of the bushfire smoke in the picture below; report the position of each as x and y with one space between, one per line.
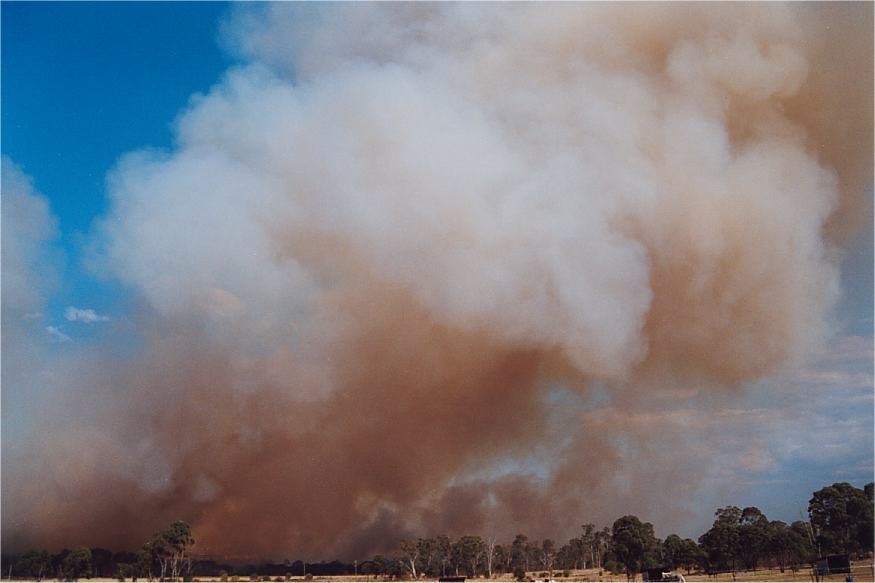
394 259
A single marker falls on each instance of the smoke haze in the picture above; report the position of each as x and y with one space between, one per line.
417 269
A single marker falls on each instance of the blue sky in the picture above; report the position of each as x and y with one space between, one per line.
86 83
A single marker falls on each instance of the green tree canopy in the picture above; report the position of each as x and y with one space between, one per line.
753 536
632 541
842 518
721 542
672 550
518 552
77 564
34 564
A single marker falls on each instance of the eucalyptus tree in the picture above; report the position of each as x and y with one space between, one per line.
77 564
721 541
34 564
410 549
548 555
471 552
443 553
490 556
519 552
632 541
753 536
842 518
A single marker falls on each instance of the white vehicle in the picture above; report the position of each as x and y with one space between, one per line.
662 575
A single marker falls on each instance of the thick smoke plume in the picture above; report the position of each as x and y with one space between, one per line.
394 261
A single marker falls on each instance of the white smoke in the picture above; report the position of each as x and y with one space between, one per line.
521 175
378 241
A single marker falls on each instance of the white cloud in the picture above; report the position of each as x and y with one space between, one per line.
87 316
57 335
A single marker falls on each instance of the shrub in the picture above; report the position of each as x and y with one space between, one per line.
223 575
288 576
519 574
614 567
187 577
77 564
566 573
308 577
253 577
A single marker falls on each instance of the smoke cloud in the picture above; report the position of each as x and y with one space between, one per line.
398 262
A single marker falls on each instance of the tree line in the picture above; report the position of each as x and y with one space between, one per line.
165 556
840 522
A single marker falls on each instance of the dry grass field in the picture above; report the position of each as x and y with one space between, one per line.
861 571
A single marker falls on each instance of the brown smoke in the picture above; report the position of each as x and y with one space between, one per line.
366 292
